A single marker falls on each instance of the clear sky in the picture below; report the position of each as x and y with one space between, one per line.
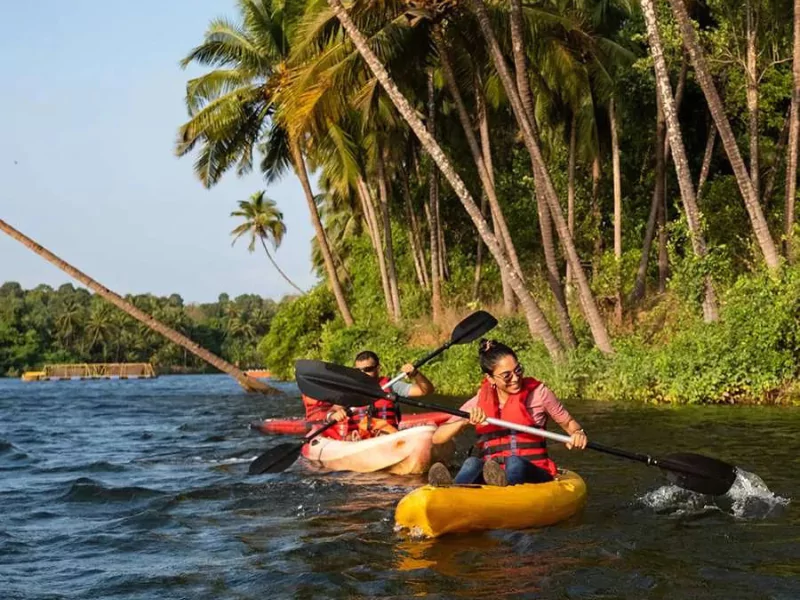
89 109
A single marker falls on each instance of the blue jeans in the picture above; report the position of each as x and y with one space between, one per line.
518 470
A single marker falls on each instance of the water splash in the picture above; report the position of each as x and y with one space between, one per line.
749 499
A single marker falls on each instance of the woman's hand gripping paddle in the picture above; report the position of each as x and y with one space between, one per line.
345 386
281 457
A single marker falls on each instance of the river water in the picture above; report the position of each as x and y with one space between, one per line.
139 489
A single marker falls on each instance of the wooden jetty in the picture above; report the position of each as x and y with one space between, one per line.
68 372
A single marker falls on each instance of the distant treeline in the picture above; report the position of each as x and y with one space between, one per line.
70 324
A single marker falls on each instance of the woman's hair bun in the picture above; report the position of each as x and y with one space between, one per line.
485 345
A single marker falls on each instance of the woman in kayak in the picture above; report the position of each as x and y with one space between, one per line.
385 415
506 456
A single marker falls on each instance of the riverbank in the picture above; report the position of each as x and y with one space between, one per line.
663 354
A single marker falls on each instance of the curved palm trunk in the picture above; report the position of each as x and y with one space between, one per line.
794 140
545 221
322 239
751 200
536 320
591 312
248 383
278 269
391 271
693 217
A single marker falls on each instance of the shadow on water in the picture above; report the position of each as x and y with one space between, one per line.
140 490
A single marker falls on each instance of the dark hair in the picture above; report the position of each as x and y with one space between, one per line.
491 352
367 355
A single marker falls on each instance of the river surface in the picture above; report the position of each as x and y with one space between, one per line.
139 490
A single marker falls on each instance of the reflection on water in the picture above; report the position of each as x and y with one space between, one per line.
139 490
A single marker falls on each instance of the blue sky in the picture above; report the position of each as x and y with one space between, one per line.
92 100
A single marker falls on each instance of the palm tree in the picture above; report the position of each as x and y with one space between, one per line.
693 216
536 319
751 199
233 107
263 221
246 382
794 138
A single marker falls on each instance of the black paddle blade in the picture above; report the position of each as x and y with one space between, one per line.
473 327
276 460
701 474
335 383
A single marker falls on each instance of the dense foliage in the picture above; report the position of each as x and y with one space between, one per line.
70 325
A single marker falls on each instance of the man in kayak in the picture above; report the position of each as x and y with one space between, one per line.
383 416
506 456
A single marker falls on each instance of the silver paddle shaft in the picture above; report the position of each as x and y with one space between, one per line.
558 437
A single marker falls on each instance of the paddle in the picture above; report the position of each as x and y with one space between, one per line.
342 385
279 458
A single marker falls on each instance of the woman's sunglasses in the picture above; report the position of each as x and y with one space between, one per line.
507 376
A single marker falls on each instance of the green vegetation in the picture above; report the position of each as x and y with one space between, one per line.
69 324
515 156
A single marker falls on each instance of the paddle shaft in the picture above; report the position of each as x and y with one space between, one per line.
418 364
558 437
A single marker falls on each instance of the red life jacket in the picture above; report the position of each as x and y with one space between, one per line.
317 412
386 409
497 443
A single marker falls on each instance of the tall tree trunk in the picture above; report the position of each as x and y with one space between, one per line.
588 303
248 383
278 269
375 235
391 271
751 200
656 204
509 299
663 239
319 231
751 75
794 141
612 116
433 204
769 180
536 320
573 146
597 216
707 156
414 236
444 271
693 216
476 281
545 221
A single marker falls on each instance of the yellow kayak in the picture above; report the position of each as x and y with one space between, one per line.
433 511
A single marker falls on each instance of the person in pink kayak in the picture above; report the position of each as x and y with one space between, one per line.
383 416
506 456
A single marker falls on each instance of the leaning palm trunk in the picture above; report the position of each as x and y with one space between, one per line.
545 221
588 303
248 383
707 155
536 320
794 139
693 216
322 239
751 200
278 269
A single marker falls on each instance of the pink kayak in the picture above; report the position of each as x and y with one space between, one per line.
405 452
299 426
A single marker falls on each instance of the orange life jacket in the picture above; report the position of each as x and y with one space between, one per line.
497 443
